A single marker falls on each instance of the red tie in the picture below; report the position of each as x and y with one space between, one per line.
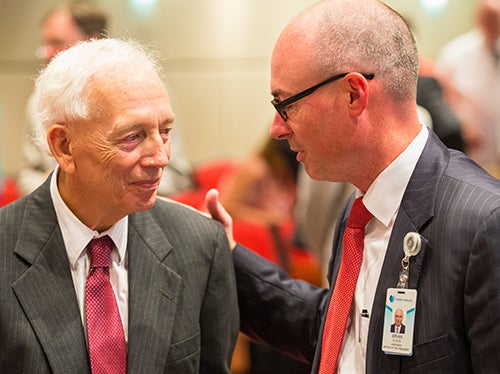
108 350
343 293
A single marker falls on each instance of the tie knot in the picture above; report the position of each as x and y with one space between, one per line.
100 251
359 216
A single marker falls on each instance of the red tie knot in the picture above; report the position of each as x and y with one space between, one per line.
359 216
100 251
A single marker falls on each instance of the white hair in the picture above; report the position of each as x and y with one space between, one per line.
61 90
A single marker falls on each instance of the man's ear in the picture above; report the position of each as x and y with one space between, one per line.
59 140
358 93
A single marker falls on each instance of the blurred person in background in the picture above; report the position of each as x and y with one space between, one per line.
469 67
319 203
262 188
430 96
431 100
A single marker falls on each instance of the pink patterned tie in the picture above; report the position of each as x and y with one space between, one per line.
106 339
343 293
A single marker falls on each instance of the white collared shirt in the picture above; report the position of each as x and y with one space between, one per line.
382 199
76 236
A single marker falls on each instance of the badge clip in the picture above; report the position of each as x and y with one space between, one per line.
412 243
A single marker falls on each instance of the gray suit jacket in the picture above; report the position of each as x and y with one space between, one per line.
455 206
183 315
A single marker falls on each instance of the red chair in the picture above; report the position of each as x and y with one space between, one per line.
277 246
8 191
192 197
209 174
206 176
256 237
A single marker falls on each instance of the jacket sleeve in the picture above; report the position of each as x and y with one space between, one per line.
276 309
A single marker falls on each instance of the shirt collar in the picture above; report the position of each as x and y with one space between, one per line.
77 235
385 194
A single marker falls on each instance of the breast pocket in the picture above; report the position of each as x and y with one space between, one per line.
435 356
184 356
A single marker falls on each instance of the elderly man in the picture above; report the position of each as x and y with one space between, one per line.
423 231
97 275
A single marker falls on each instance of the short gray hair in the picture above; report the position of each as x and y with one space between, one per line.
368 37
61 90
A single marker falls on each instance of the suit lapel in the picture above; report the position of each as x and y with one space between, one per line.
46 291
153 290
416 210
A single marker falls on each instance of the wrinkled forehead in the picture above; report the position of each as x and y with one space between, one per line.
126 77
105 87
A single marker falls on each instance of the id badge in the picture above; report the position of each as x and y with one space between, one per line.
399 321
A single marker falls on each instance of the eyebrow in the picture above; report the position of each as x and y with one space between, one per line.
278 92
140 124
168 121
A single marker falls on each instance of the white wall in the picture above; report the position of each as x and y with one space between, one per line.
216 57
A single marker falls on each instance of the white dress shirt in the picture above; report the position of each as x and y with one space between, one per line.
382 199
76 236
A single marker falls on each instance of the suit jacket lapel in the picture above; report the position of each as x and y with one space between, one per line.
46 291
416 210
153 290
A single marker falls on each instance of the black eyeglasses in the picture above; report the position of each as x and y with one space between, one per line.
280 106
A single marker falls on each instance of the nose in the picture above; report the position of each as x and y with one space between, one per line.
159 153
279 128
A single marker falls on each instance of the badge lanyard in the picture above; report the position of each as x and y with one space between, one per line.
399 319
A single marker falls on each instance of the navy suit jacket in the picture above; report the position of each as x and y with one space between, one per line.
183 315
455 206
